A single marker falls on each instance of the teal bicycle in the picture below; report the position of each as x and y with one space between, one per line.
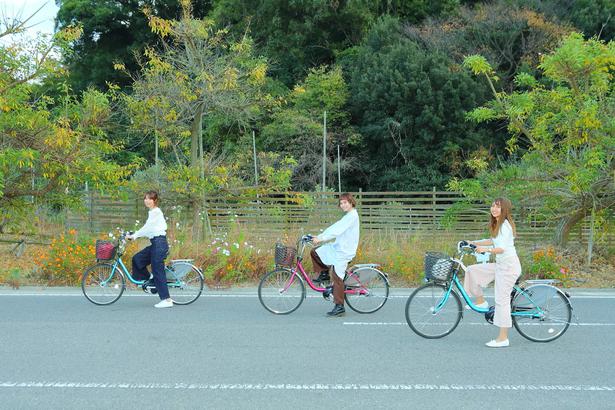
540 311
105 282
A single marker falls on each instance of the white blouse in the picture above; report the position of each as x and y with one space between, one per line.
155 225
506 241
346 235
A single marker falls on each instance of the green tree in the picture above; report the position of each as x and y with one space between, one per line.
409 105
197 73
296 128
509 36
296 35
563 133
595 18
112 31
48 149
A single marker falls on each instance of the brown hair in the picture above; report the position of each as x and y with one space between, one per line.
153 195
348 197
506 214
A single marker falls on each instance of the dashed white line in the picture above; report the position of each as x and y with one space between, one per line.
465 323
306 386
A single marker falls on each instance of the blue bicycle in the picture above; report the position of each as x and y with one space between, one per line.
540 311
105 282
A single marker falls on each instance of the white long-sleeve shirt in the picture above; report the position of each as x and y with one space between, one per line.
155 225
505 240
346 235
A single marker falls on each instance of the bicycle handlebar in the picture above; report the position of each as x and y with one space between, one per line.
467 247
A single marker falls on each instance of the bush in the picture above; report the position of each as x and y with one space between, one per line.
547 264
69 255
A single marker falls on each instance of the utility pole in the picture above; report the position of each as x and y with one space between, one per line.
324 152
339 173
254 151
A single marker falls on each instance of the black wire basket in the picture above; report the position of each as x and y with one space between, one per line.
438 267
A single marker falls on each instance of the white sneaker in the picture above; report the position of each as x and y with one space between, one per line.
484 305
166 303
495 343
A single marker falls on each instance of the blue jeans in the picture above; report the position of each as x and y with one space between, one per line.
154 255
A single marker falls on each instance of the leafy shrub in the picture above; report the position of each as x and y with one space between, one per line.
69 255
547 264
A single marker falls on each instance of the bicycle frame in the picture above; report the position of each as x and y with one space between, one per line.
123 270
535 312
299 272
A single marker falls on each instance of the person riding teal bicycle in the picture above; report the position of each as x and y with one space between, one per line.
336 255
155 229
505 271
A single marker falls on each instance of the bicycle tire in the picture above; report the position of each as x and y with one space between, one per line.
371 293
281 291
186 289
552 313
100 284
420 314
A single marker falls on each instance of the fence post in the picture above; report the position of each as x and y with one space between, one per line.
433 206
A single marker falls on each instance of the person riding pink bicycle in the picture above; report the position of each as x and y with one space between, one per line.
335 256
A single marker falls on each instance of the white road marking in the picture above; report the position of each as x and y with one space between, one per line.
206 294
309 387
465 323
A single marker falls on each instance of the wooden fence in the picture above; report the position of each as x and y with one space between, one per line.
424 211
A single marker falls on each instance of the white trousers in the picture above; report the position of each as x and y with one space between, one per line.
505 272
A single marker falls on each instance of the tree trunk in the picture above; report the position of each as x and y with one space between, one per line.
565 226
195 137
196 156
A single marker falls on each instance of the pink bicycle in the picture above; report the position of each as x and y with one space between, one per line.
282 290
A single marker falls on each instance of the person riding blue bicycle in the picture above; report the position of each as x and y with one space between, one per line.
336 255
505 271
155 229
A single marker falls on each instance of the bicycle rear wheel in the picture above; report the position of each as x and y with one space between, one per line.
367 290
102 284
185 283
281 291
541 313
432 314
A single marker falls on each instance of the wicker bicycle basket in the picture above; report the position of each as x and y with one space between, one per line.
285 255
438 267
105 250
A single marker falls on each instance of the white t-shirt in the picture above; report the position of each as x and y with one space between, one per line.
506 241
155 225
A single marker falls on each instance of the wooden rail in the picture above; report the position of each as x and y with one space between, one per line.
412 211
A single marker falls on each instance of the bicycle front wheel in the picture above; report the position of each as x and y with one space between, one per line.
185 283
281 291
366 290
102 284
541 313
432 311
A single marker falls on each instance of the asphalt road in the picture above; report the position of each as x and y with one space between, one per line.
58 351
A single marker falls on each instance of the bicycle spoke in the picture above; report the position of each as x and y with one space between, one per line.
281 291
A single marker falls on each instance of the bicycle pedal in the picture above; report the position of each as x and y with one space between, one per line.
150 289
327 293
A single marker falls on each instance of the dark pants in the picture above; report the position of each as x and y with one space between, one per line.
154 255
338 283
